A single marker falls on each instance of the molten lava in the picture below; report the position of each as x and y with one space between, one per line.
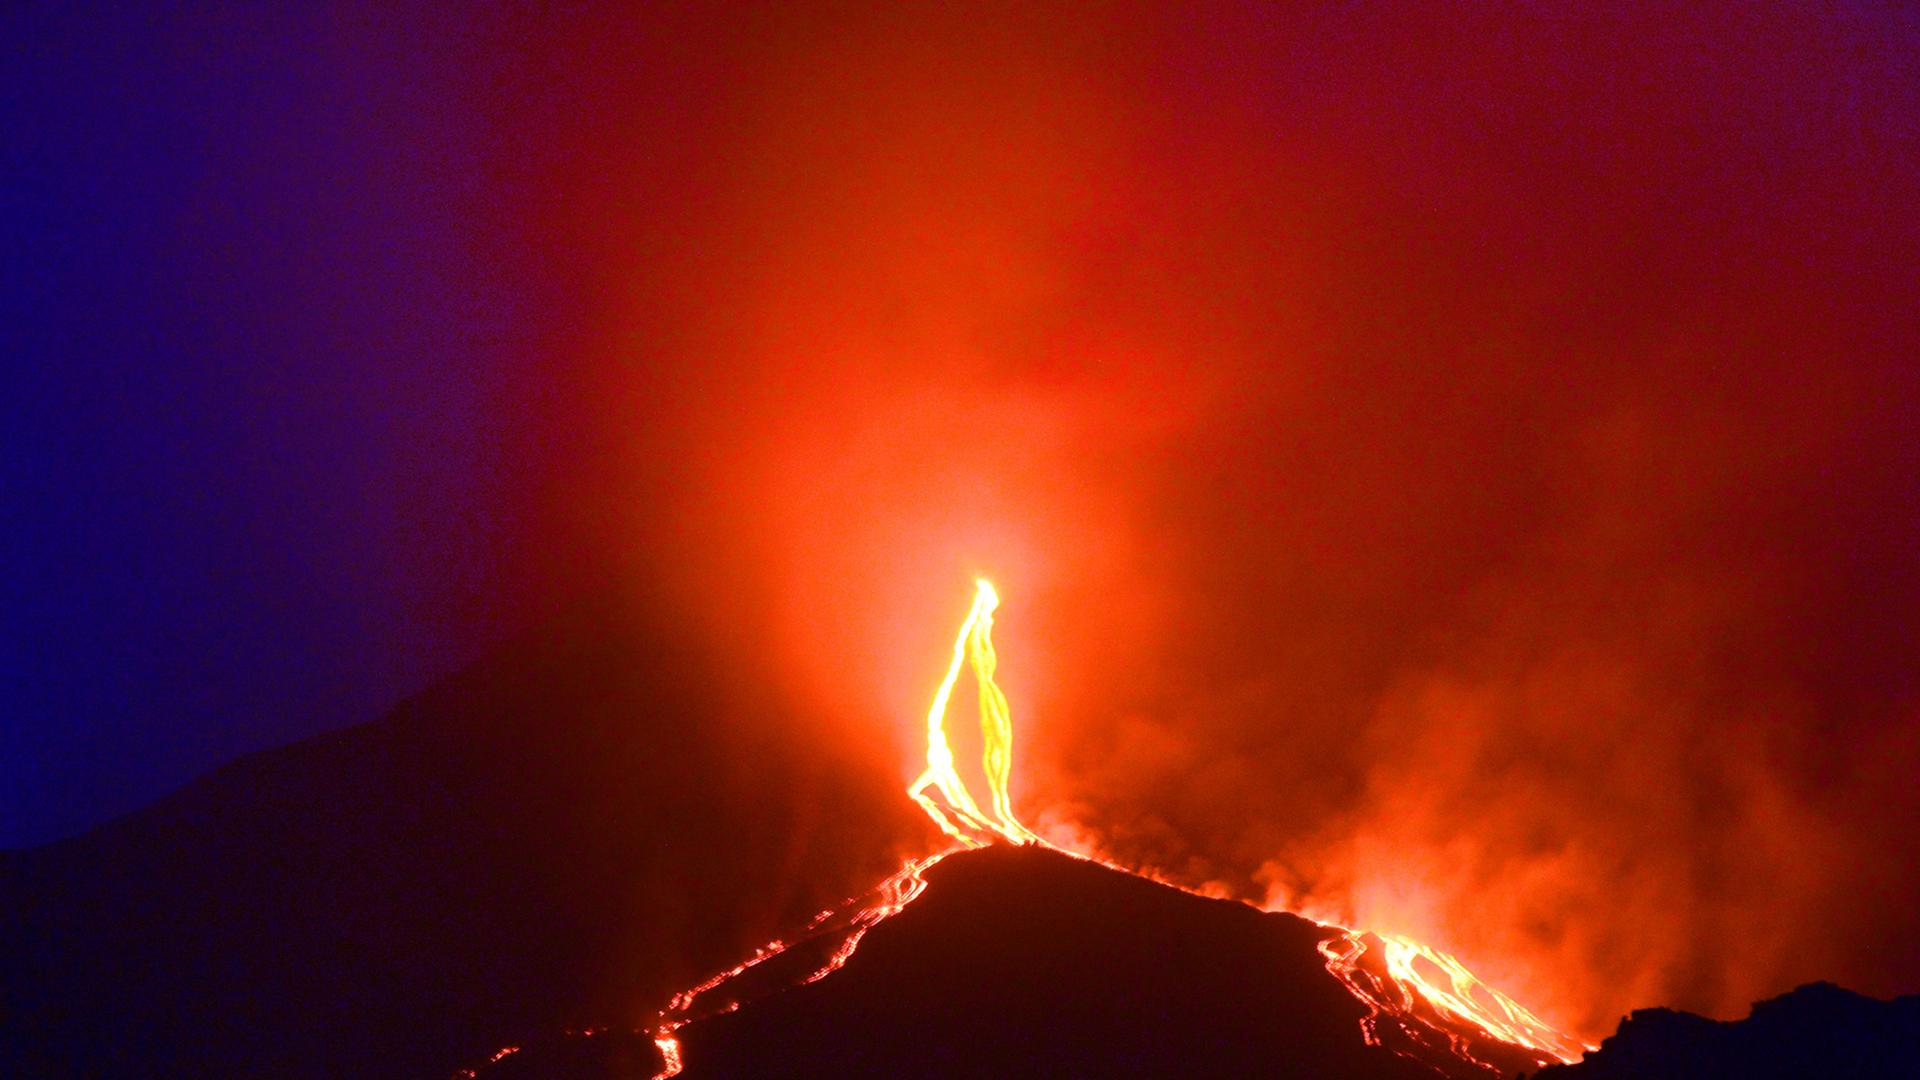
1421 1003
1435 1005
961 817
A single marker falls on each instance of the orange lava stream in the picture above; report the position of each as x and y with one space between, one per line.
1466 998
1443 1014
848 923
1435 1004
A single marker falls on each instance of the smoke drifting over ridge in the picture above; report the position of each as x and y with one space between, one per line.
1452 472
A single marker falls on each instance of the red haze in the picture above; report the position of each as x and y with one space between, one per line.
1454 470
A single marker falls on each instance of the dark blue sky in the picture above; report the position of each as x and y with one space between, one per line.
251 439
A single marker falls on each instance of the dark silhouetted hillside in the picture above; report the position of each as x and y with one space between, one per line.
1026 962
560 836
1817 1031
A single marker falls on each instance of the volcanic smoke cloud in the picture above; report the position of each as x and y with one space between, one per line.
1453 475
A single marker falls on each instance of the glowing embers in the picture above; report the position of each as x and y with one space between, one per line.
497 1057
1424 1005
955 811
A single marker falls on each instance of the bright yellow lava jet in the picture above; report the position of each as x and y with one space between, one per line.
956 812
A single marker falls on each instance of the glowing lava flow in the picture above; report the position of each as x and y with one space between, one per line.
1440 1013
1466 998
1437 1009
833 935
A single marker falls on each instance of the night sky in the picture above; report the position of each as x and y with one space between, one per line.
255 471
1448 468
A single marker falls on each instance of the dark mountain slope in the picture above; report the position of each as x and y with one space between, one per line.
1026 962
1020 962
1819 1030
561 835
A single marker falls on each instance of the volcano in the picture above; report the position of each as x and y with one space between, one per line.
1024 960
535 868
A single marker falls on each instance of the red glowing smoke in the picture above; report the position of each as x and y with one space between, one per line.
1454 471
